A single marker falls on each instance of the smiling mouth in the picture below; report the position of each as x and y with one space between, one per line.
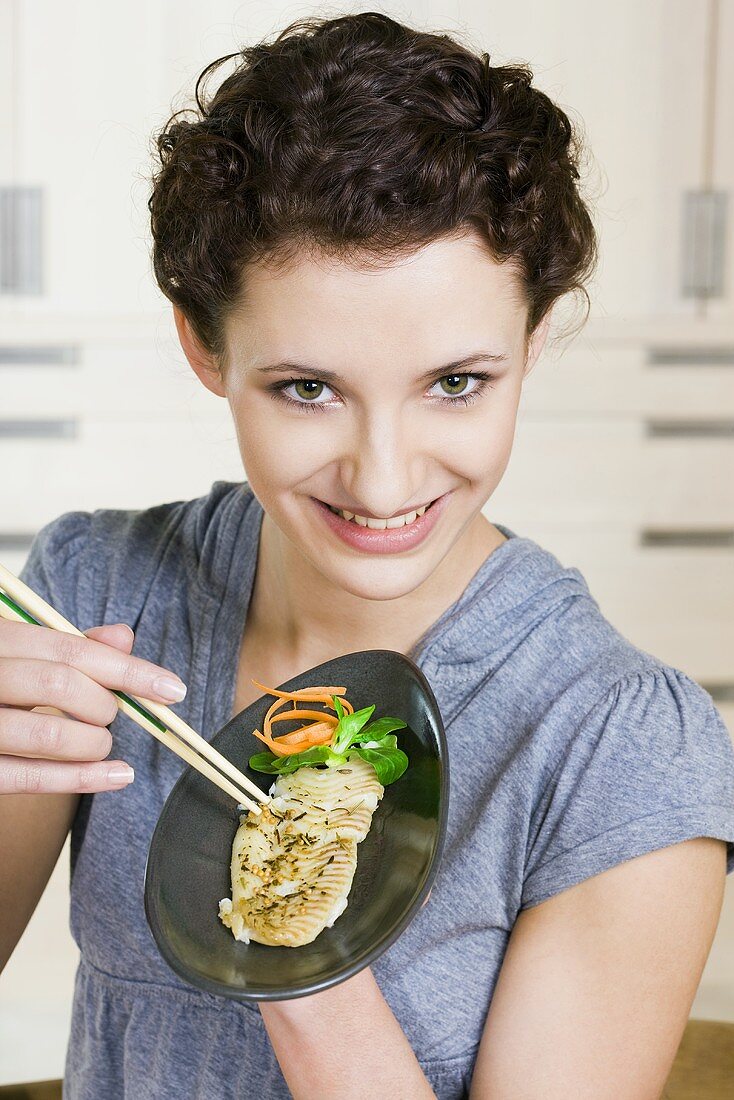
395 522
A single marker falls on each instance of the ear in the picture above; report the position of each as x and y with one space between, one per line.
537 343
202 362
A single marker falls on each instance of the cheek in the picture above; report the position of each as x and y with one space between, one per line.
277 449
479 448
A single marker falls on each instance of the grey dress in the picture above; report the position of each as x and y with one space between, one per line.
571 750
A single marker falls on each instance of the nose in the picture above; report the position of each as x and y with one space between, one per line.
383 467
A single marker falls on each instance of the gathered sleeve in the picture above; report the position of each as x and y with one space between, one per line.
651 764
60 567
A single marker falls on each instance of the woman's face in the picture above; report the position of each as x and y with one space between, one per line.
375 412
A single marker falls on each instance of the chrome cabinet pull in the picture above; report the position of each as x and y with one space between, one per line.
698 538
720 692
32 355
721 355
21 239
704 234
38 429
688 429
16 540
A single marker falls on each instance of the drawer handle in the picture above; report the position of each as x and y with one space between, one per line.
689 429
720 692
16 540
722 356
38 429
704 233
32 355
694 537
21 239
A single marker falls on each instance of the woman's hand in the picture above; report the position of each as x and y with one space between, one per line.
56 700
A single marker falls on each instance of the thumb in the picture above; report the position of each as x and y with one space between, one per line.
118 635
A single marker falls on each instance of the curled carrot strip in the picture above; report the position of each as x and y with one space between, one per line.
301 693
319 732
288 714
283 750
269 718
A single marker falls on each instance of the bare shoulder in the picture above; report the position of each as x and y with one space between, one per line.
597 981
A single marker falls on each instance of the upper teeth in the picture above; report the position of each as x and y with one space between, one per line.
381 524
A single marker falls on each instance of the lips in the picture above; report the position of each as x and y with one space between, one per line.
383 540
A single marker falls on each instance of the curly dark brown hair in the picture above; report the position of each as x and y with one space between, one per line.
363 138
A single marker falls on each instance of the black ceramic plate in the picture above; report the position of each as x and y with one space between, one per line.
188 868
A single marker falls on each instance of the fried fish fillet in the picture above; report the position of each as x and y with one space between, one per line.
293 864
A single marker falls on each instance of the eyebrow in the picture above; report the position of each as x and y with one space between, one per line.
332 376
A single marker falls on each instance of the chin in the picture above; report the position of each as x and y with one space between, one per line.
375 578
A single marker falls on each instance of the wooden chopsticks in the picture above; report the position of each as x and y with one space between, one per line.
21 604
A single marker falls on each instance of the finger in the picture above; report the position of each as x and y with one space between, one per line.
28 776
28 683
100 662
51 737
118 635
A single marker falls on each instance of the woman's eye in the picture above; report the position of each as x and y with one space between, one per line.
455 391
306 390
309 388
455 384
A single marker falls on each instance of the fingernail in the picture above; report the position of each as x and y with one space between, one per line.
169 688
121 775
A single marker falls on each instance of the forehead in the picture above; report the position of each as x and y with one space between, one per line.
446 291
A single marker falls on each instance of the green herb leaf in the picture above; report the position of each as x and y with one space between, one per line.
263 762
284 765
338 706
386 758
318 754
375 730
348 727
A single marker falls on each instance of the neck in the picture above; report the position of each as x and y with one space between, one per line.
292 614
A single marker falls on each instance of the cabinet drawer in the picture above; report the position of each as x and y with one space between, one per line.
102 379
632 381
571 471
114 464
687 482
610 471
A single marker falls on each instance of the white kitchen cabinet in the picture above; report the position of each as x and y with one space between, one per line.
632 76
636 78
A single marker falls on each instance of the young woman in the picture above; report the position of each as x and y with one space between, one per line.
363 232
